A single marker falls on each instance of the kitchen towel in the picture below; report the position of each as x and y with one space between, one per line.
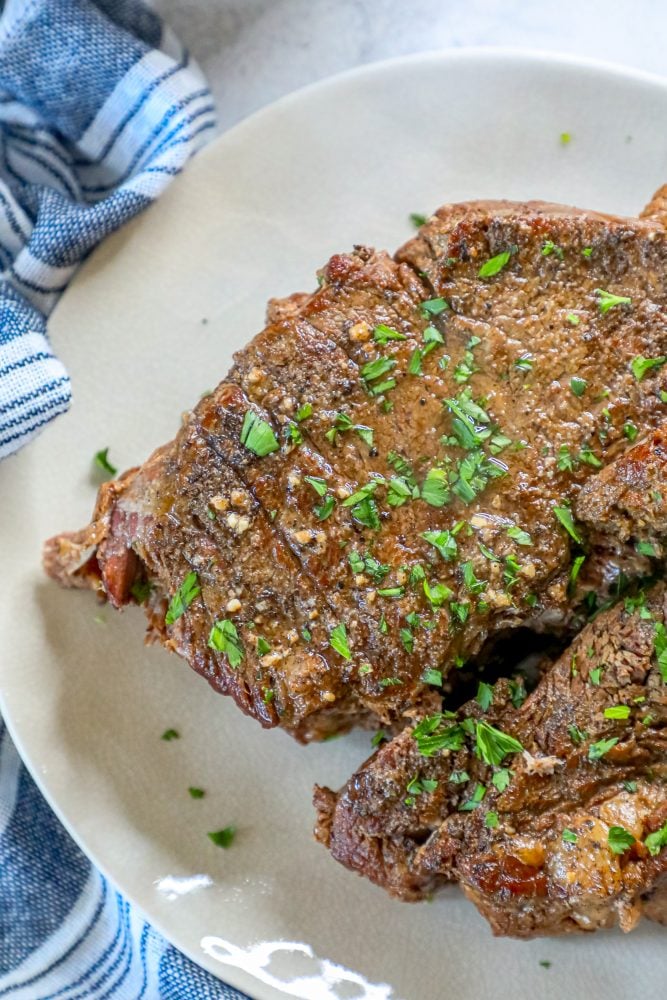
99 109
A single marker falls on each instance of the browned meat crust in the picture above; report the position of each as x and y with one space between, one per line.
534 855
206 504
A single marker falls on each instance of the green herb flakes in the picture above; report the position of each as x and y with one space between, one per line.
225 639
444 542
432 676
318 484
183 598
598 750
257 435
435 491
564 515
617 712
491 820
642 366
196 793
494 265
474 801
656 840
493 745
578 385
607 300
338 641
223 838
569 836
170 734
619 839
484 697
102 462
660 648
433 307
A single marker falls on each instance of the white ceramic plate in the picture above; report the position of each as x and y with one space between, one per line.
151 322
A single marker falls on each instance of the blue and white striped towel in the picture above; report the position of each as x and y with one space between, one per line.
98 110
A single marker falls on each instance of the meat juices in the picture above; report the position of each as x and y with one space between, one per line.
428 451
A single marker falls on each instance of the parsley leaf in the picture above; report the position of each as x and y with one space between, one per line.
434 489
619 839
102 462
494 264
578 385
656 840
223 838
383 334
660 648
338 641
435 733
494 745
484 697
597 750
444 542
318 484
569 836
474 801
607 300
169 735
617 712
257 435
641 366
433 307
564 515
225 639
183 598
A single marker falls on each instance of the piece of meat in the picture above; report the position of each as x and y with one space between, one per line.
448 419
533 849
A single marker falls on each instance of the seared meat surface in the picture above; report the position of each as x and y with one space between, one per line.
425 454
551 815
385 477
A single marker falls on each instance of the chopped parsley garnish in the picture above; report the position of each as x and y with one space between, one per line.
102 462
257 435
459 777
641 366
617 712
324 510
183 598
433 307
419 785
619 839
169 735
304 412
524 364
589 458
417 219
392 592
573 319
564 515
437 594
474 801
399 491
434 489
415 362
493 745
494 264
607 300
598 750
517 692
576 569
378 738
475 471
578 385
262 647
575 734
565 138
318 484
225 639
432 676
376 368
656 840
306 634
444 542
646 549
338 641
432 338
196 793
436 733
465 368
484 697
587 251
550 247
520 536
630 430
569 836
565 462
660 648
491 820
501 779
470 581
630 786
383 334
460 610
223 838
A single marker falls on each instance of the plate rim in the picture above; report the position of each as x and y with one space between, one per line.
234 976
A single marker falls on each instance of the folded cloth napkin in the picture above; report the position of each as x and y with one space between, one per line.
98 110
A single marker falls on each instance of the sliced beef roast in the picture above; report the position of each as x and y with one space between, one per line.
551 815
386 477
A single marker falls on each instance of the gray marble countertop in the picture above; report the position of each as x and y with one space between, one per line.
254 51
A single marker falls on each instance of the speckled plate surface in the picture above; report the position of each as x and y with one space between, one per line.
151 322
